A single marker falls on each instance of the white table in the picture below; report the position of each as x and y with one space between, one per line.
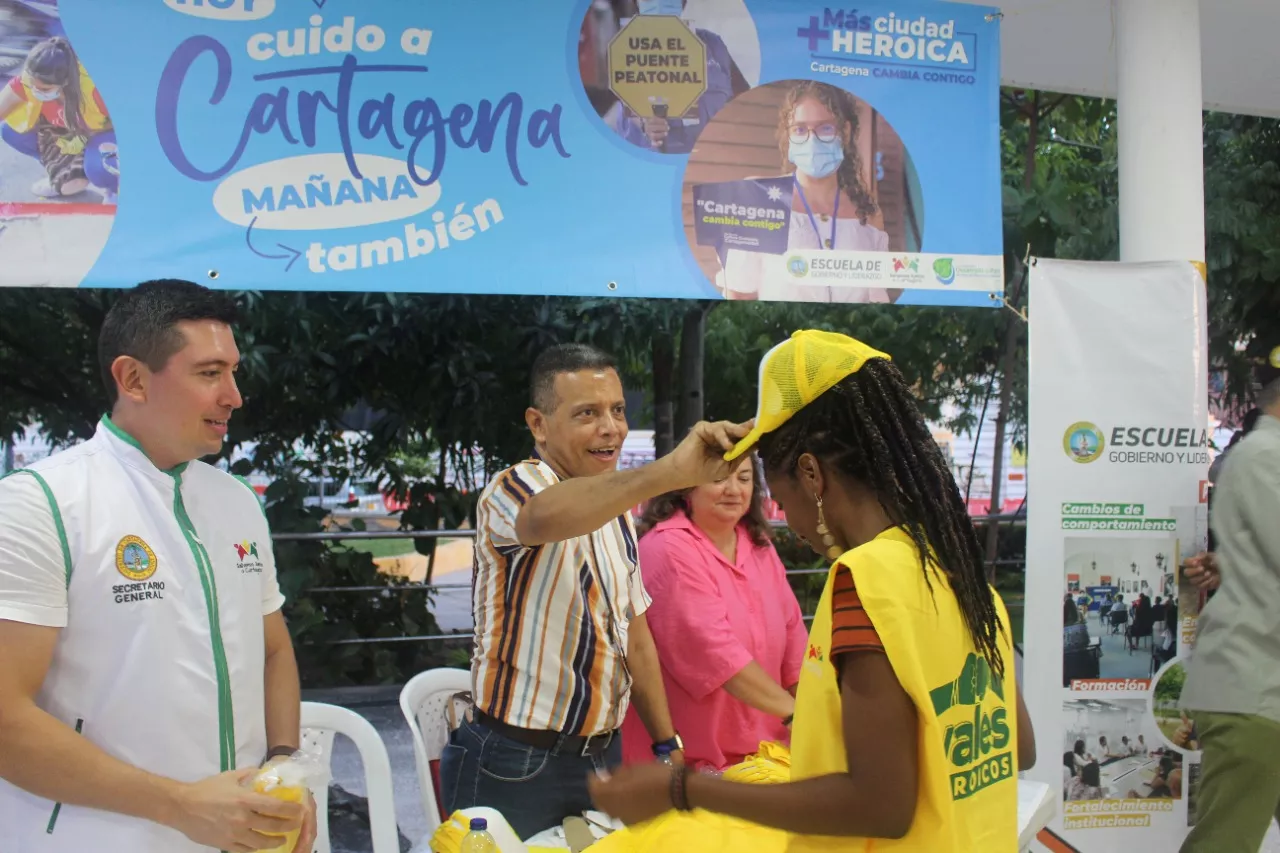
554 837
1120 777
1037 804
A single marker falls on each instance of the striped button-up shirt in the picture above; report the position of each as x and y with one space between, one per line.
551 620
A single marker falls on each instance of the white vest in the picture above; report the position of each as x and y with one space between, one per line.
161 664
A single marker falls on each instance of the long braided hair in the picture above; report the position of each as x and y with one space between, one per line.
869 428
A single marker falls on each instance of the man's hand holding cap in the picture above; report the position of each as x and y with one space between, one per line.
798 371
700 457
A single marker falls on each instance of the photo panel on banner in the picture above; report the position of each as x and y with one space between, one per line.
59 165
1119 448
736 149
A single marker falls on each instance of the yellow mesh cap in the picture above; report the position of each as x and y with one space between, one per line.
796 372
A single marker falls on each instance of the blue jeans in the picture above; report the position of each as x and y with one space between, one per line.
533 788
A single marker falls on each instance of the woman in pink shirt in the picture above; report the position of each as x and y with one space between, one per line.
728 628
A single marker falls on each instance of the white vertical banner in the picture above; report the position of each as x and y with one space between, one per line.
1119 455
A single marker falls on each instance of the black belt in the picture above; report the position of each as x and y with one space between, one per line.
555 742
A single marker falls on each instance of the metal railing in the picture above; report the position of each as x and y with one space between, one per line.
365 535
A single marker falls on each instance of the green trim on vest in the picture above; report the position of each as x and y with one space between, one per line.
57 517
121 434
204 566
254 492
136 445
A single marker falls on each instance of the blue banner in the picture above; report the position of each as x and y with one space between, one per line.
746 149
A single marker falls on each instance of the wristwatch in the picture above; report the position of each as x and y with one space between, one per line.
278 752
674 743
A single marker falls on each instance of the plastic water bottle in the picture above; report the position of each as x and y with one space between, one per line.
664 754
478 840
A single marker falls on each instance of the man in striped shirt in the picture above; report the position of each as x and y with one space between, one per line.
562 646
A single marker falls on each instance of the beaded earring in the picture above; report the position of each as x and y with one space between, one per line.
828 541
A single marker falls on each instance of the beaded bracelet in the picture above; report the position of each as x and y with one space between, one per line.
679 788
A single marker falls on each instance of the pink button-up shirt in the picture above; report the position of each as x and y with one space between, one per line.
709 619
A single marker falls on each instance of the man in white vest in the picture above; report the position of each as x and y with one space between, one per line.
146 671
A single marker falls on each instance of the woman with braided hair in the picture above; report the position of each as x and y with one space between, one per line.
909 729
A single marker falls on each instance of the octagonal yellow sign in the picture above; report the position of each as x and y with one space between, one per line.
657 66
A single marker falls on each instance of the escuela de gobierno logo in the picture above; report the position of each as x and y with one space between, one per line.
1086 442
1083 442
797 266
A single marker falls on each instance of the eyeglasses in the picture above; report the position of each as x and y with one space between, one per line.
824 132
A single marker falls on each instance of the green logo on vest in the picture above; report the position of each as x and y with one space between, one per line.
975 739
970 688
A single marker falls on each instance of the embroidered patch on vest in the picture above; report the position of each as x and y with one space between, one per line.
247 558
135 559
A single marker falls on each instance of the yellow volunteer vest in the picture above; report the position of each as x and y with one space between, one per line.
968 718
25 116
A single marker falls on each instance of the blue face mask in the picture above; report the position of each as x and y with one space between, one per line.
45 96
660 7
816 158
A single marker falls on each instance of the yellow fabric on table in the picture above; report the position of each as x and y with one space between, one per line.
448 835
706 831
770 766
696 830
703 831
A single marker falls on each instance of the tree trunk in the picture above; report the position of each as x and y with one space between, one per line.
664 364
1012 334
443 477
1007 363
692 347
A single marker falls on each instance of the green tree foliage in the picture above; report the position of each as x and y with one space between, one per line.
1169 687
333 628
1242 209
48 374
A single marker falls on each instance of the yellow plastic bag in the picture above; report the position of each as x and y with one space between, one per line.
290 794
698 830
770 766
288 779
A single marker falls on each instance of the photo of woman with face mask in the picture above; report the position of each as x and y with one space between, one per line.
816 136
832 207
53 112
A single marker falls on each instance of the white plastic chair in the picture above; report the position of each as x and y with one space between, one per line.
432 702
320 722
